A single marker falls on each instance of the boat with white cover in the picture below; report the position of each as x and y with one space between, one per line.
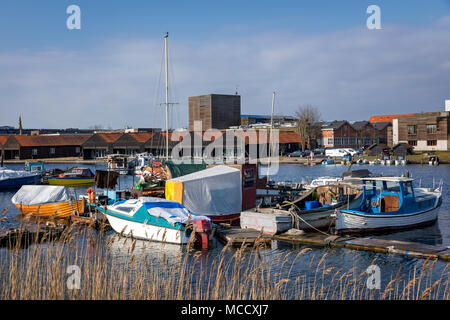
156 219
10 179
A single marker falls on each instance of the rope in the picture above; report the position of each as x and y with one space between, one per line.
299 217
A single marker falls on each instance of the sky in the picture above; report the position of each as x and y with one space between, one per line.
110 72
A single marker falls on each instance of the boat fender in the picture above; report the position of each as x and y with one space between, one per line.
91 195
202 228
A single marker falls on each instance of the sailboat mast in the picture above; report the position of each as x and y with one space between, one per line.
271 123
270 136
167 94
271 116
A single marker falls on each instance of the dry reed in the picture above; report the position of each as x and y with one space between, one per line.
114 267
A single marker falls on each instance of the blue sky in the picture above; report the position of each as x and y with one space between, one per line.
310 52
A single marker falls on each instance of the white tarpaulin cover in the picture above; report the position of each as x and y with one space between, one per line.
35 195
172 211
6 174
214 191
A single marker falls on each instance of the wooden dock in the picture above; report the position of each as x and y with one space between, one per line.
29 234
236 236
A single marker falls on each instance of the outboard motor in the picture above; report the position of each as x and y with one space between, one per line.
202 229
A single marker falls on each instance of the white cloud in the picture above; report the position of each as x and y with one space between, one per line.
348 74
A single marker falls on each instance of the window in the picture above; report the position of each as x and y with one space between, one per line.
77 150
431 128
52 150
330 140
412 143
407 188
34 152
431 143
412 129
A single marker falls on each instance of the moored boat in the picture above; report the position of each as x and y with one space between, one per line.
216 192
433 161
46 201
311 211
10 179
73 178
328 162
120 163
156 219
390 203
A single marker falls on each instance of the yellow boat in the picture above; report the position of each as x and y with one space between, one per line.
53 210
46 201
76 177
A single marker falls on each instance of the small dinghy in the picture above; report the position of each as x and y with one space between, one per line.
46 201
157 219
390 203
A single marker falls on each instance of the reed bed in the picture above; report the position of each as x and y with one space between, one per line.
114 267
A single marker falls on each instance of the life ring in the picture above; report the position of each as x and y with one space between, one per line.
374 203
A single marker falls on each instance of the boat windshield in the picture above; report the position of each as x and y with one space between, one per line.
391 186
407 188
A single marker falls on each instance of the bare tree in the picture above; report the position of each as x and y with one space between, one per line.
308 124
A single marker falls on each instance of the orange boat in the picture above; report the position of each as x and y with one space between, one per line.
46 201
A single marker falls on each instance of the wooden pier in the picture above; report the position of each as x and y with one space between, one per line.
30 234
236 237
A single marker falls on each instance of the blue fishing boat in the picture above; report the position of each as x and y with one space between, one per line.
390 203
328 162
13 179
157 219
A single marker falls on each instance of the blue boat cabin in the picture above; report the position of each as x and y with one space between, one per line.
384 195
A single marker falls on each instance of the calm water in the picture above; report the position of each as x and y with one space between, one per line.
438 234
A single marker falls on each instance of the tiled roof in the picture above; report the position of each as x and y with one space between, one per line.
336 124
389 118
283 136
142 136
56 140
3 140
381 125
289 137
358 125
110 137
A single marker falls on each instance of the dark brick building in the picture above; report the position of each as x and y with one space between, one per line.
216 111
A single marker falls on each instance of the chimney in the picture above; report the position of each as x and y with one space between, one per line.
447 105
20 124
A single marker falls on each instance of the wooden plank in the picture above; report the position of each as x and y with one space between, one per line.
237 236
398 245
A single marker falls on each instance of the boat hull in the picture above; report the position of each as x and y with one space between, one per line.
69 182
318 220
232 219
351 222
147 231
52 210
18 182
